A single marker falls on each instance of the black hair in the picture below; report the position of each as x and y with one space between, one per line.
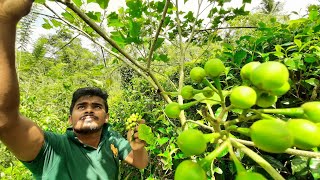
92 91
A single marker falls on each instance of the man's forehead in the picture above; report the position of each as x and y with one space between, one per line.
90 98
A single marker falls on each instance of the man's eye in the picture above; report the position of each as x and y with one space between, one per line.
98 107
80 107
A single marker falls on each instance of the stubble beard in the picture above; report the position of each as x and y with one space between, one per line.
87 127
88 130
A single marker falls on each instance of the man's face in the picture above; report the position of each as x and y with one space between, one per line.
88 115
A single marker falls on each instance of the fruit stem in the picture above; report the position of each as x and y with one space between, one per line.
211 137
208 83
200 124
257 158
211 156
189 104
236 161
285 111
241 130
218 85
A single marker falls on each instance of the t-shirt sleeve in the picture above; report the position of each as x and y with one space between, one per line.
46 157
122 144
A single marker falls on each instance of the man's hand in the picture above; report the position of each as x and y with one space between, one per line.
133 138
11 11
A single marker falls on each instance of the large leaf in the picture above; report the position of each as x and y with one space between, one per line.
113 20
134 8
145 133
134 28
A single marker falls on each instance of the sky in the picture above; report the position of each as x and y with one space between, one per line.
299 6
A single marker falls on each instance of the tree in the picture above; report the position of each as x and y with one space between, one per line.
271 7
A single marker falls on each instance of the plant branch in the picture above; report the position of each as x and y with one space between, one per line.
153 44
257 158
235 27
200 124
291 151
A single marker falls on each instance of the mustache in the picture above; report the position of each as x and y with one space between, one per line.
91 115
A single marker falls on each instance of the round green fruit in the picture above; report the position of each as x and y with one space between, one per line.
192 142
247 69
306 134
270 75
312 111
250 176
243 97
266 100
172 110
187 92
197 74
189 170
282 90
207 92
214 67
271 136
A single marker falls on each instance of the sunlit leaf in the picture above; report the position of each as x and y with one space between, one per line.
103 3
145 133
40 1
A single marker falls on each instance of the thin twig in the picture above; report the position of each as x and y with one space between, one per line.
153 45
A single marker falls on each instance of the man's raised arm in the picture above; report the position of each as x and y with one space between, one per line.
22 136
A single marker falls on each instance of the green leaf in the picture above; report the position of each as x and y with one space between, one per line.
40 1
162 141
310 58
299 165
47 24
145 133
273 161
278 48
68 16
215 99
134 28
312 81
161 57
239 56
103 3
246 1
94 16
118 38
314 166
298 42
113 20
77 2
159 43
55 23
134 8
313 15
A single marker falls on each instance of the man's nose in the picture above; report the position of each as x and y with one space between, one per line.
89 109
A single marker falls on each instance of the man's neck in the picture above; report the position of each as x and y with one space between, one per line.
92 139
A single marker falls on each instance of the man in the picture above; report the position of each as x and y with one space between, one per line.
89 150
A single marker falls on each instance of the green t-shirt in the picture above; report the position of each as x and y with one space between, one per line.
64 157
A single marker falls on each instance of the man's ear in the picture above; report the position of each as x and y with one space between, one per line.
70 120
107 117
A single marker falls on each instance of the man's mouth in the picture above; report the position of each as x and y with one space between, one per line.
88 118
